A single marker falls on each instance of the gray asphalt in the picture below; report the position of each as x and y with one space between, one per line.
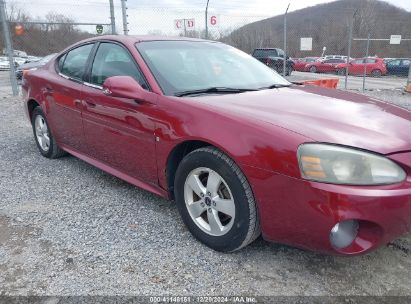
67 228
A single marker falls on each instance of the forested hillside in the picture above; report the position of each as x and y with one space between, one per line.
327 24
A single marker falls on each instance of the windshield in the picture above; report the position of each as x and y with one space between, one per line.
181 66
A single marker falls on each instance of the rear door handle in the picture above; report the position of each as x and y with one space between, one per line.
78 104
47 90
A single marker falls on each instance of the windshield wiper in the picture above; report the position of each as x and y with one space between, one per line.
276 86
213 90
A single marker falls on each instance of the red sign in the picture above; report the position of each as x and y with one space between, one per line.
19 29
185 24
213 20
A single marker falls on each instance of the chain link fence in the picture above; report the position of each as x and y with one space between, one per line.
47 27
331 31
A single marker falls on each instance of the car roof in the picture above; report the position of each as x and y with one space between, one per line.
130 40
140 38
266 49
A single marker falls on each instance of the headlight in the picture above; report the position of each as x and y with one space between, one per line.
340 165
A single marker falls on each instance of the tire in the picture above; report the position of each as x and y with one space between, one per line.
43 135
376 73
341 72
313 69
288 71
238 224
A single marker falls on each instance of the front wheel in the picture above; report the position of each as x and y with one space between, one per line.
313 69
215 200
341 72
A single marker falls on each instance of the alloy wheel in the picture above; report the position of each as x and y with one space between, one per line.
209 201
42 133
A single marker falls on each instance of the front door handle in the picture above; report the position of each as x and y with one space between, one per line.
90 104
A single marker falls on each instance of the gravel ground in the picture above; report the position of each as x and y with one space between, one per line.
67 228
397 96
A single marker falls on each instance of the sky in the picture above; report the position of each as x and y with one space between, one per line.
158 16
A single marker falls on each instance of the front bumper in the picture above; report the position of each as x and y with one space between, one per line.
302 213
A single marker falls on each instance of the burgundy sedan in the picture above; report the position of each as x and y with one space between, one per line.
242 151
323 66
299 64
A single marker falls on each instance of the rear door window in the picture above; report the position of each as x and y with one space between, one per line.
75 62
394 62
358 61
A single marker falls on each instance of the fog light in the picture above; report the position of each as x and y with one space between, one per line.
344 233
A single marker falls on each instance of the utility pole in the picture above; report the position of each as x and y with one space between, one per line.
349 48
112 18
124 12
9 47
206 20
408 89
285 40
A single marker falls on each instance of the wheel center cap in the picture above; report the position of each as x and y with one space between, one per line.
208 201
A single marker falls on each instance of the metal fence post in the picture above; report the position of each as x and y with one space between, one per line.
348 55
9 47
112 18
124 12
365 62
206 20
285 40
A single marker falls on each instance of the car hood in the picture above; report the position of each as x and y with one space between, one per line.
323 115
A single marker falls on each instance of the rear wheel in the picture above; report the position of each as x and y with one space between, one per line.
313 69
288 71
376 73
43 136
215 200
341 72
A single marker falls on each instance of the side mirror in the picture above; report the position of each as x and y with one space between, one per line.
123 87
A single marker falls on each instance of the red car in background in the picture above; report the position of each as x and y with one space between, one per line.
300 63
240 149
375 67
323 66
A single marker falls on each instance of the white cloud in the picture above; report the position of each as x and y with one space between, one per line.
158 15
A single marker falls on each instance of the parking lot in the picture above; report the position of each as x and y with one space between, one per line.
68 228
355 82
